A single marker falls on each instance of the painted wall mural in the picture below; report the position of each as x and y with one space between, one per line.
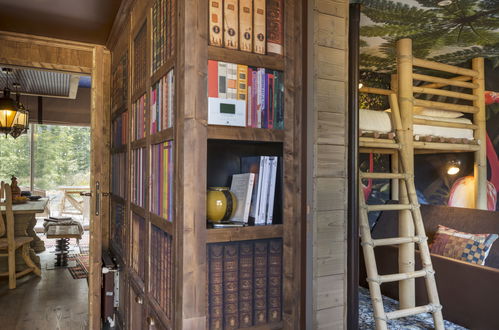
453 34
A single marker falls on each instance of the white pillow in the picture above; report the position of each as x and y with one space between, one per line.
437 112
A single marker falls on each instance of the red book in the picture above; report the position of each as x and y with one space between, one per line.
212 78
275 26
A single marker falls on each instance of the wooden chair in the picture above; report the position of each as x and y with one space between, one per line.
9 243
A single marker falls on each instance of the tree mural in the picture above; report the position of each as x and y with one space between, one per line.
451 34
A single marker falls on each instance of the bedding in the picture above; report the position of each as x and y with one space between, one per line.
473 248
436 112
379 121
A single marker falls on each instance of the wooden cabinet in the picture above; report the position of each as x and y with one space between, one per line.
164 162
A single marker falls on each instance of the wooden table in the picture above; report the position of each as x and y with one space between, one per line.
68 195
24 225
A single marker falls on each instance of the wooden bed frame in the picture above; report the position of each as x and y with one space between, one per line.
402 97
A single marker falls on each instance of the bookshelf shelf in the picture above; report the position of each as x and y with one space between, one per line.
245 134
271 326
217 235
138 210
118 199
138 93
162 223
120 149
117 111
162 70
139 143
275 62
162 136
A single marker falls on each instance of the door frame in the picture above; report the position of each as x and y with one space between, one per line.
36 52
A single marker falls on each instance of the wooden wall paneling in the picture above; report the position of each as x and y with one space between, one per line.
191 143
327 136
292 161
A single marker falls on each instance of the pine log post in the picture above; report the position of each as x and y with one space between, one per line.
395 191
406 226
480 169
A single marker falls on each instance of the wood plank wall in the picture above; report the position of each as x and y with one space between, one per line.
327 147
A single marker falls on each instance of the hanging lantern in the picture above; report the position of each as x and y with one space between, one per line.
21 123
8 108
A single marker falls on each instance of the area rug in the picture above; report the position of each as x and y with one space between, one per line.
417 322
80 270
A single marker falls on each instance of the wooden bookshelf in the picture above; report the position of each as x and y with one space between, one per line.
194 168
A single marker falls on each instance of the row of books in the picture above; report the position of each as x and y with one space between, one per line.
162 179
139 176
139 118
119 174
244 283
140 70
248 25
161 271
255 190
163 32
119 83
162 103
118 225
120 130
239 95
138 245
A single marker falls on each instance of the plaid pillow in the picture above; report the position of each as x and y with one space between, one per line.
472 248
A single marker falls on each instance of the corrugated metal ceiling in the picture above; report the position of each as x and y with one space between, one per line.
43 83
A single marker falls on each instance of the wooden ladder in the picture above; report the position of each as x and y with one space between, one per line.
368 243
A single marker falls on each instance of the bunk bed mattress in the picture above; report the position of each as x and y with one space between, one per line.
380 122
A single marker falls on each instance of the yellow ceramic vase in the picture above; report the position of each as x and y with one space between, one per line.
220 204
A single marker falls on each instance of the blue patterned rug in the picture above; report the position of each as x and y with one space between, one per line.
417 322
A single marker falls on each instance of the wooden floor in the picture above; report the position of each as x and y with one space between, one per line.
55 301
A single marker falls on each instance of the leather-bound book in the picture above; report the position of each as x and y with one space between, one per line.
260 283
215 286
275 35
231 26
246 256
231 286
216 21
275 280
246 25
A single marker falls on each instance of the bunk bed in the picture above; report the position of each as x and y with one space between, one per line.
415 124
457 125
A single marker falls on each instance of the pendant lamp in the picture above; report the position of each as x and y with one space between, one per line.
8 108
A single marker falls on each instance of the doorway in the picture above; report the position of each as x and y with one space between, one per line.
40 53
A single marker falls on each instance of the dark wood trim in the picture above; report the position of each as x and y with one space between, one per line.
141 143
353 170
161 223
163 70
162 136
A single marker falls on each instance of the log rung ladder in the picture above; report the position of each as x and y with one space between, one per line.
410 205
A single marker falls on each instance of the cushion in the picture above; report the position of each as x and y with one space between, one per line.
423 111
473 248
